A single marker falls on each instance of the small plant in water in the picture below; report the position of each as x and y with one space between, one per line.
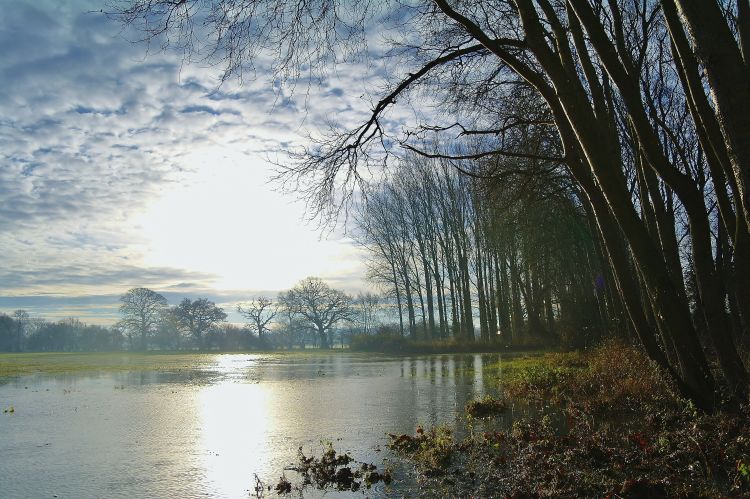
431 449
485 407
284 486
334 470
259 487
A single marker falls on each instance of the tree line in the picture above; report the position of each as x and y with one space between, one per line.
461 254
309 311
19 332
310 314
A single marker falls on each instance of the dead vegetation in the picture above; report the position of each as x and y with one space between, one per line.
627 435
337 471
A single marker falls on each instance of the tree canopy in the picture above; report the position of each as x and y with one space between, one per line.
196 317
321 306
141 310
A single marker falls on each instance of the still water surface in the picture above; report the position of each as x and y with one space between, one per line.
207 431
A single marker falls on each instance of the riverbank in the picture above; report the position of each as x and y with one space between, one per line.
628 434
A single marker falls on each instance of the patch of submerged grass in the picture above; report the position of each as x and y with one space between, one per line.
21 364
431 450
334 470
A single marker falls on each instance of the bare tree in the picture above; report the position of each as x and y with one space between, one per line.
22 325
367 304
290 330
141 310
321 306
260 312
196 317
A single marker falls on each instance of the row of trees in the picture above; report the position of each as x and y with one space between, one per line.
310 306
460 253
310 314
20 332
145 313
73 335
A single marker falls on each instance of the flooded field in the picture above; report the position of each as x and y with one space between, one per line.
208 430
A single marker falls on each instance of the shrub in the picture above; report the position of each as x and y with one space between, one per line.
612 377
431 449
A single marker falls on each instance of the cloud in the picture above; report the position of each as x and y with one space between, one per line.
84 277
95 131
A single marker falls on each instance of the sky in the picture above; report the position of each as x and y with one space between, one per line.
121 167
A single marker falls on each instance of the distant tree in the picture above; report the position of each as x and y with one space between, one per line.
367 305
118 338
167 335
6 333
321 306
127 335
141 309
196 317
232 337
60 336
92 338
21 318
290 331
35 324
67 335
260 312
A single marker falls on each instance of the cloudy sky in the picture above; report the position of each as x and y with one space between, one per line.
123 167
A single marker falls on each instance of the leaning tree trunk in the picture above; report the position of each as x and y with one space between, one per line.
729 78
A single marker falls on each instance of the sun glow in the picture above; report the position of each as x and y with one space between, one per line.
234 425
224 219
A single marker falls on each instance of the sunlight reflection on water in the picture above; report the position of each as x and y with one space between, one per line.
205 431
235 420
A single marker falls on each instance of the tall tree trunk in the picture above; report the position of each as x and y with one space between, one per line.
729 80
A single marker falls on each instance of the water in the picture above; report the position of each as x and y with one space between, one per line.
206 432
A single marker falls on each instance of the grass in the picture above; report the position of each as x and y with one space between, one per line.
611 378
21 364
432 450
485 407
